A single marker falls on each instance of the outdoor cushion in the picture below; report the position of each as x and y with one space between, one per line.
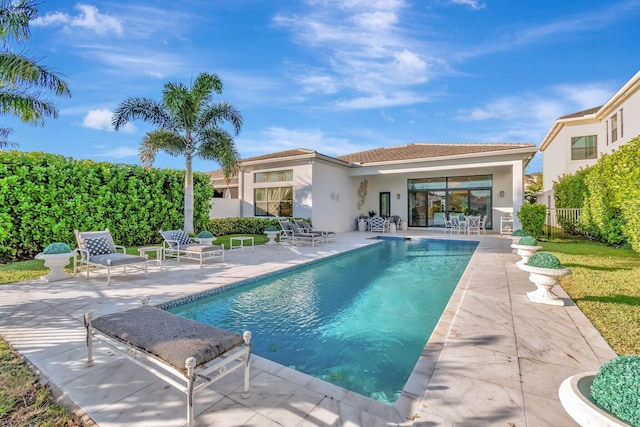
167 336
116 258
182 238
98 246
197 247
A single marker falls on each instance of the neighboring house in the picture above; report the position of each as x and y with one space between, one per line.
419 182
578 140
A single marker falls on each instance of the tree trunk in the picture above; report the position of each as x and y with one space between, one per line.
188 195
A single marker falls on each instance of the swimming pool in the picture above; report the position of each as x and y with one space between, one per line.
359 320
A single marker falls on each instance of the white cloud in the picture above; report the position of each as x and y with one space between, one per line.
117 152
88 18
274 139
101 120
528 116
474 4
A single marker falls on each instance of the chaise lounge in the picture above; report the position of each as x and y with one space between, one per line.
178 244
97 251
176 349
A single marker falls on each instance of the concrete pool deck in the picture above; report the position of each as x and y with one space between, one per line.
494 359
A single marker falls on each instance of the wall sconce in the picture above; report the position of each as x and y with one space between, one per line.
398 196
502 194
334 197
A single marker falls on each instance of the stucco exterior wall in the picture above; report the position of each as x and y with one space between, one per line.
334 194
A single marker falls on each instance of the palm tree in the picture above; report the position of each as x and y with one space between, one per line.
188 124
21 78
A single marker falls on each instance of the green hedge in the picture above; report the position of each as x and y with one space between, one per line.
609 195
532 218
44 197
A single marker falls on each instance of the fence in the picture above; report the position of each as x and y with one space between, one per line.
562 222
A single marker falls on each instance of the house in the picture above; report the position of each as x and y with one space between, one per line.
578 140
419 182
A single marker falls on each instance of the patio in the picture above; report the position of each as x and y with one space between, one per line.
494 359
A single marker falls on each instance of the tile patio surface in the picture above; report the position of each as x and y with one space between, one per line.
495 359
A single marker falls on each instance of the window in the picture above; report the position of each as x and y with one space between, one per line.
614 128
274 201
584 147
273 176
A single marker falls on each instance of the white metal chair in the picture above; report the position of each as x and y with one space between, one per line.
483 224
473 224
379 224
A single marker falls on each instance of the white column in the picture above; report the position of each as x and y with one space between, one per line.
518 191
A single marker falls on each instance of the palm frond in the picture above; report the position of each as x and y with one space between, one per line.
204 84
177 99
27 107
218 145
4 138
145 109
160 140
215 115
22 72
14 19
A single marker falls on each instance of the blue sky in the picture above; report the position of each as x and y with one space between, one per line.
336 76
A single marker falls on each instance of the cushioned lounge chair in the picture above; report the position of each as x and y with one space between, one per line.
97 252
286 234
180 351
307 228
178 244
300 235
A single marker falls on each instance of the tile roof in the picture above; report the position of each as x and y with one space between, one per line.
280 154
427 150
581 113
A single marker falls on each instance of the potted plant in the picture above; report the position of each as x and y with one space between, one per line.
544 271
205 237
56 257
362 222
526 247
271 233
609 397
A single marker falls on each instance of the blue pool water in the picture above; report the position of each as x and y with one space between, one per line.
359 320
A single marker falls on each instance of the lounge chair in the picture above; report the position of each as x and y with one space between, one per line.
180 351
286 234
178 244
307 228
97 251
302 236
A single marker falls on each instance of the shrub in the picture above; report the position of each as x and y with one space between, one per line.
532 218
205 234
616 388
544 260
519 233
57 248
528 241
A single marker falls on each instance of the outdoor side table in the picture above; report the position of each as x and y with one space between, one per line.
159 250
241 240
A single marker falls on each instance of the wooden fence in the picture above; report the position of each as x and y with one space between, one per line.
562 222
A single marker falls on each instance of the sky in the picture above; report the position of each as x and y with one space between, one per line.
335 76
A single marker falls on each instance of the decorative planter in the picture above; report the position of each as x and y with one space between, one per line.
204 240
525 251
544 279
362 225
403 225
392 228
56 263
272 237
575 396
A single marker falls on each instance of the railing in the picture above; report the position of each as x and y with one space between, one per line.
563 222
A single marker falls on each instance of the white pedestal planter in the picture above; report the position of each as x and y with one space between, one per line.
544 279
575 395
204 240
404 225
272 237
56 263
362 225
392 228
525 251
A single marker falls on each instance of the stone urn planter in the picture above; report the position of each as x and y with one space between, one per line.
575 396
362 224
544 271
205 238
56 256
526 247
271 233
609 397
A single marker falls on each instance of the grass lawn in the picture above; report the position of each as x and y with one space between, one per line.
605 284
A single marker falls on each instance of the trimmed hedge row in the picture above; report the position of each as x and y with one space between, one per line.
611 196
44 197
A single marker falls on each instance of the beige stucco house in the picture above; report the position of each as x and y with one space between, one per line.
420 182
578 140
